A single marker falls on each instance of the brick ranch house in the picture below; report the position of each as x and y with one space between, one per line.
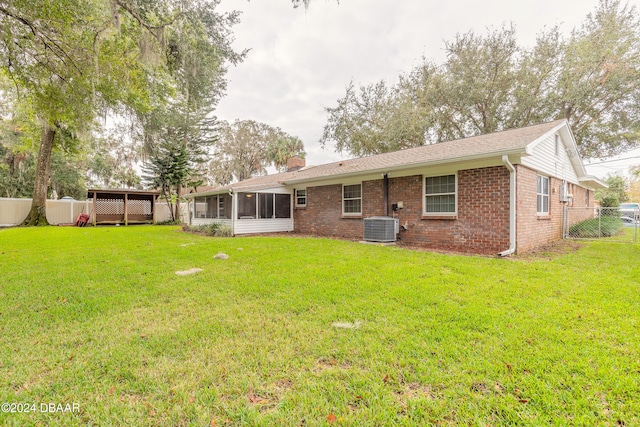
499 193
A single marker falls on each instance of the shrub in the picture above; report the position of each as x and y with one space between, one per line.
213 229
604 226
170 222
223 231
609 202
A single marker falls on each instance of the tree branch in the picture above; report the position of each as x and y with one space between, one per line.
47 41
151 28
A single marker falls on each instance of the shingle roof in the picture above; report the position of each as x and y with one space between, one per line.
494 144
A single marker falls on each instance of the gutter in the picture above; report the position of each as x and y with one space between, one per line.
512 207
399 167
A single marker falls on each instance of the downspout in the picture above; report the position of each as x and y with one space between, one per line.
386 194
512 207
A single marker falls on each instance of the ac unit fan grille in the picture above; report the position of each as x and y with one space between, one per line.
380 229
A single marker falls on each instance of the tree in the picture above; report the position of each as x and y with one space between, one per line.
74 59
68 175
615 194
198 51
68 59
113 157
242 150
168 169
297 3
283 149
18 155
599 84
366 121
17 165
179 155
634 187
488 83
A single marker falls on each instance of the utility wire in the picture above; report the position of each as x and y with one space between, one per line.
615 160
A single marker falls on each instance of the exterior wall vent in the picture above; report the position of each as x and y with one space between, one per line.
381 229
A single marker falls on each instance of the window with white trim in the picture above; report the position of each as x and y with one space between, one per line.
440 195
301 197
542 195
352 199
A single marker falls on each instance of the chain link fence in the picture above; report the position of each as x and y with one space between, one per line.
613 224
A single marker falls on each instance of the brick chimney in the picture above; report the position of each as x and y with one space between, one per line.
295 163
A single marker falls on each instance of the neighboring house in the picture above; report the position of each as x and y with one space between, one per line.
497 193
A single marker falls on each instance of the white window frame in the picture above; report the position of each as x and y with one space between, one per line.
351 198
541 195
425 195
301 205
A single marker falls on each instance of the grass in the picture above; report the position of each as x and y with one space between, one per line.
98 317
605 226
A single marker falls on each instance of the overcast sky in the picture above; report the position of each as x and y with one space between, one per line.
302 60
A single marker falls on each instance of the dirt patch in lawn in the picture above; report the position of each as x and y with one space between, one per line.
551 251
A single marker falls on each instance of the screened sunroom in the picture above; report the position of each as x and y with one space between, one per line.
245 212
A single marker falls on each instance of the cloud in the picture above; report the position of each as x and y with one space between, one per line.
301 61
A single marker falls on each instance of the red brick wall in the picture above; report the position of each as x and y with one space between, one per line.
482 224
533 230
323 214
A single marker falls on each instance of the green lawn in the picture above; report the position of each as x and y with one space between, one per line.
97 317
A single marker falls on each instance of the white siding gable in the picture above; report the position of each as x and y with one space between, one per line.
546 161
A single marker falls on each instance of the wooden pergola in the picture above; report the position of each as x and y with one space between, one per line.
123 206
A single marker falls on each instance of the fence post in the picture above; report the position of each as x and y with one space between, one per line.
636 219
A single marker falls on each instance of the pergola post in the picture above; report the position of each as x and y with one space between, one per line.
153 208
95 207
126 209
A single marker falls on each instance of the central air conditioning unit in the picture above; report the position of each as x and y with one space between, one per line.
381 229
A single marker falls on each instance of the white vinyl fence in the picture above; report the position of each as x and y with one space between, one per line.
162 212
14 211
